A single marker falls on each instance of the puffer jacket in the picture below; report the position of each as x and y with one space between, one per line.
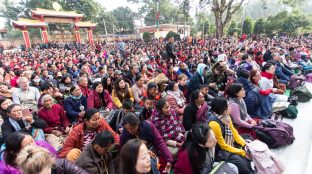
75 137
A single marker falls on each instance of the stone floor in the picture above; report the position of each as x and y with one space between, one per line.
297 157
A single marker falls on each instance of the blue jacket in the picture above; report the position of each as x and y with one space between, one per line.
197 79
282 72
186 72
72 107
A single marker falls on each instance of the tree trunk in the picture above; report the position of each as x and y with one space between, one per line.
219 26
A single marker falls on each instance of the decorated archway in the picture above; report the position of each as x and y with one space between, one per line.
43 17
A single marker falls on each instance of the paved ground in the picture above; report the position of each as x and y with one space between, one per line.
297 157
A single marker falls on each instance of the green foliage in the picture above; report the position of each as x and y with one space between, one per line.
203 23
110 22
169 12
285 22
125 19
171 34
147 36
233 28
247 25
259 26
90 8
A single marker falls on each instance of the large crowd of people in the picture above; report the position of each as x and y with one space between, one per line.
134 107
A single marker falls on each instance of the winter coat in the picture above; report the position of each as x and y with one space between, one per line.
92 162
149 133
72 107
94 100
76 136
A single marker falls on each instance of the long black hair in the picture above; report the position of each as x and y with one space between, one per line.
13 146
196 153
219 105
109 88
129 160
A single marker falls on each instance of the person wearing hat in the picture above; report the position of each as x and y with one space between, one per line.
83 133
118 74
96 156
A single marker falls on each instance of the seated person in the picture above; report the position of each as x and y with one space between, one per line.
221 124
99 98
55 117
199 78
204 89
146 112
75 105
83 133
5 91
146 131
183 70
33 159
175 97
151 92
283 74
266 82
167 122
197 154
217 78
13 145
17 122
239 113
121 92
195 111
47 88
138 89
26 95
116 122
139 161
95 157
182 80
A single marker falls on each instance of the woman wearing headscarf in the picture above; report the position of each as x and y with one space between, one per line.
199 78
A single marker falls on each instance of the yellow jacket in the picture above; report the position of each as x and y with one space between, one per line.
221 142
117 101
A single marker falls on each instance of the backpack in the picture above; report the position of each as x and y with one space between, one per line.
295 81
265 161
223 167
291 112
281 133
303 94
309 77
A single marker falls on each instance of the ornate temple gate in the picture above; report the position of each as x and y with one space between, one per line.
44 16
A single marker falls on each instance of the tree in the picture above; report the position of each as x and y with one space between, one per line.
169 12
259 26
247 26
223 12
125 19
110 22
12 11
203 23
233 28
90 8
147 37
293 22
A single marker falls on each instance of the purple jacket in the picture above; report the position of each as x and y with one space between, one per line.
95 102
7 169
149 133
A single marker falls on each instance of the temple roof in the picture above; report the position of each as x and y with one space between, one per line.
85 24
53 13
28 22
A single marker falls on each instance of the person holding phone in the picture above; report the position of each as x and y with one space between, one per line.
20 120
